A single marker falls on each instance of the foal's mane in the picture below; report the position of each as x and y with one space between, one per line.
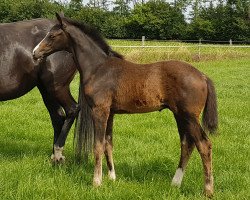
95 35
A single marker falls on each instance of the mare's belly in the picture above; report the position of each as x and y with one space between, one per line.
11 89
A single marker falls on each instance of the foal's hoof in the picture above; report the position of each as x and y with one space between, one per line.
209 192
97 183
57 159
175 184
111 175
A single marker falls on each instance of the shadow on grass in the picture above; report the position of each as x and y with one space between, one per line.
158 169
142 172
17 149
163 168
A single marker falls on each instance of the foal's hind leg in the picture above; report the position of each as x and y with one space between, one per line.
187 146
109 148
204 146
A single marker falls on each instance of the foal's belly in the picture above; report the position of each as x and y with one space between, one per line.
139 106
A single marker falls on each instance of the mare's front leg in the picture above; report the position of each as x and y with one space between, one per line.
100 117
55 111
109 147
71 109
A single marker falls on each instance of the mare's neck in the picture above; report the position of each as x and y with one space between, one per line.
88 54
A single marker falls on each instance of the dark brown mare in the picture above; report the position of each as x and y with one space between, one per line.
19 74
113 85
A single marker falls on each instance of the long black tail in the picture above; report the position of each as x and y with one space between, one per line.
210 113
84 129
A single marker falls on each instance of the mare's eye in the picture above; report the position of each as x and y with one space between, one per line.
51 36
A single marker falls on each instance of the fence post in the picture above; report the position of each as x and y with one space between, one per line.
199 55
143 41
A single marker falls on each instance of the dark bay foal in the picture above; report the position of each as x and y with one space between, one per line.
113 85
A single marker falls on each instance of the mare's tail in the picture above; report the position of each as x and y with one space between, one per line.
210 113
84 129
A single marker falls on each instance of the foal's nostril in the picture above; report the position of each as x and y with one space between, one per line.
34 56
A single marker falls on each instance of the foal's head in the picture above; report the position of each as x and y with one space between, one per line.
60 38
56 39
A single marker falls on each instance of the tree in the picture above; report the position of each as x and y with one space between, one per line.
75 5
121 7
222 21
156 20
103 4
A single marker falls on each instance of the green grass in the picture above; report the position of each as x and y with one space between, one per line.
146 149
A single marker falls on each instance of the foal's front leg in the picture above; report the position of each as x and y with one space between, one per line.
109 148
100 117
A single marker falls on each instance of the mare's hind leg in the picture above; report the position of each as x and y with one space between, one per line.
187 146
109 148
71 109
204 147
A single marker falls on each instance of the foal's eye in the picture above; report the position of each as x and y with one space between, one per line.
51 36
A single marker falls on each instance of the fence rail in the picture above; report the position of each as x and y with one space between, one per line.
193 46
197 51
144 39
196 43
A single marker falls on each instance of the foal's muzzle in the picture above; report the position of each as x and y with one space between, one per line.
37 56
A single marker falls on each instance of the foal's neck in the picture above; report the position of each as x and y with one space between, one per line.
88 54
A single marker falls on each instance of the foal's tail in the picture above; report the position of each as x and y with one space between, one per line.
210 113
84 129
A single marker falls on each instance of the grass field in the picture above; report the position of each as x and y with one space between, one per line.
146 148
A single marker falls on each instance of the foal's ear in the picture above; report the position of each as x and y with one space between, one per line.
59 19
61 14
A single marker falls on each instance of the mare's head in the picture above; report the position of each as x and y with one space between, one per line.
56 39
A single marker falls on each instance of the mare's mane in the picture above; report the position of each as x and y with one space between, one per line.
95 35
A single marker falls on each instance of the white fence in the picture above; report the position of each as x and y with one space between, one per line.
198 46
209 43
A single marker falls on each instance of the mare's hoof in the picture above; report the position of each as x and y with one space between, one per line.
57 159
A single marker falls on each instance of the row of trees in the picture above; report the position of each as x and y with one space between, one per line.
156 19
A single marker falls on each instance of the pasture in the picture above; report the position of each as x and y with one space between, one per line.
146 146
